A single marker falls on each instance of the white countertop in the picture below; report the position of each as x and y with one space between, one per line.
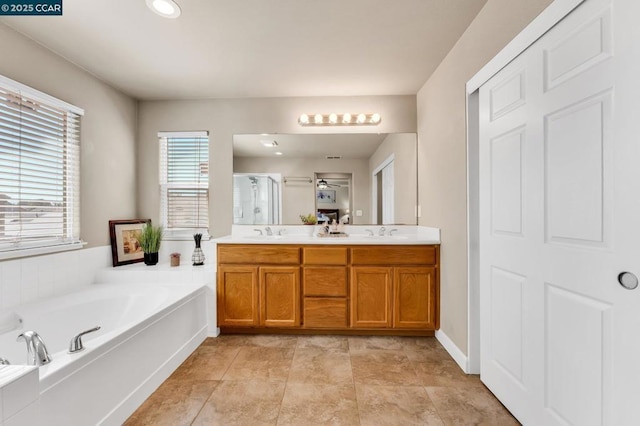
357 235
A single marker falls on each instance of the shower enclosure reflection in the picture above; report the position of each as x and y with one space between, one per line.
256 199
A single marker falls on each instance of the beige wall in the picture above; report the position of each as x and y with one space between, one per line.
299 197
225 117
108 130
442 146
405 192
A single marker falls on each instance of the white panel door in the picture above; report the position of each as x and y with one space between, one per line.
560 220
388 194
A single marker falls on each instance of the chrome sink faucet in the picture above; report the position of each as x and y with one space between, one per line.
37 353
269 231
258 230
369 232
392 231
381 231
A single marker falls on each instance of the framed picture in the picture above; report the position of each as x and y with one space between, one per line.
326 196
125 248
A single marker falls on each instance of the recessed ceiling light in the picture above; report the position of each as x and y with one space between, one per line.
278 153
268 143
164 8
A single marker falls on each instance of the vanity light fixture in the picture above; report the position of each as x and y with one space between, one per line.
334 119
165 8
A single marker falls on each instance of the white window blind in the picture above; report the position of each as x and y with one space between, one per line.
39 172
184 182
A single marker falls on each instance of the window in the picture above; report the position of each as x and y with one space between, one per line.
39 172
184 183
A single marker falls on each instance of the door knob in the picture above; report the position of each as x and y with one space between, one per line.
628 280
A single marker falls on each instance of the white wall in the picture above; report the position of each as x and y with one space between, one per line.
442 144
225 117
108 133
403 148
298 197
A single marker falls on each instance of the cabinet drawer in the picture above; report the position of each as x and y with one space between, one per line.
394 255
324 255
258 254
324 281
325 313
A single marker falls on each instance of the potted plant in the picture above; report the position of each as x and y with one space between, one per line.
150 239
309 219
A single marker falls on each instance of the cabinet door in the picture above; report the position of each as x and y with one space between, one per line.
415 294
370 297
237 296
280 296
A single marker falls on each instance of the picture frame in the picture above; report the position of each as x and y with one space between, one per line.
124 245
326 195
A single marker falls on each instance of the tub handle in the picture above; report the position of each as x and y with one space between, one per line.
76 342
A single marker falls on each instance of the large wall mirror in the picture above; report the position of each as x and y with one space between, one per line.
361 179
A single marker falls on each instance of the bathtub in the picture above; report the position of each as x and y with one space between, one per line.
146 332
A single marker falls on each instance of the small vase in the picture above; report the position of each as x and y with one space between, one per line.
198 256
150 259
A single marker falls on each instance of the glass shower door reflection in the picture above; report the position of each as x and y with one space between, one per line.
256 199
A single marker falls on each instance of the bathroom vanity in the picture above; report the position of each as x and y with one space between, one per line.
329 285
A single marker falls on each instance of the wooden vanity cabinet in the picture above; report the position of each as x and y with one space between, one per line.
250 294
343 289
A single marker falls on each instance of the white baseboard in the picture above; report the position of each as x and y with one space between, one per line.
458 356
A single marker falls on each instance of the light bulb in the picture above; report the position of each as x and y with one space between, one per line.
346 118
361 118
333 118
304 119
317 119
375 118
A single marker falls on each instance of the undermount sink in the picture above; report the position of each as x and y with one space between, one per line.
382 237
265 237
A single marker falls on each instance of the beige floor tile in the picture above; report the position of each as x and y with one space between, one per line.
444 373
316 404
334 343
383 367
254 380
247 402
469 406
360 343
321 366
259 340
176 402
395 405
262 363
206 363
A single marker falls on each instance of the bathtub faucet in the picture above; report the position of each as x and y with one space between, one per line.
37 353
76 343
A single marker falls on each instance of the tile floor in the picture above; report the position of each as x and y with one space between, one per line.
309 380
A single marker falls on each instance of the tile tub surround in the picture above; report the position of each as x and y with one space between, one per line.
40 277
292 380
